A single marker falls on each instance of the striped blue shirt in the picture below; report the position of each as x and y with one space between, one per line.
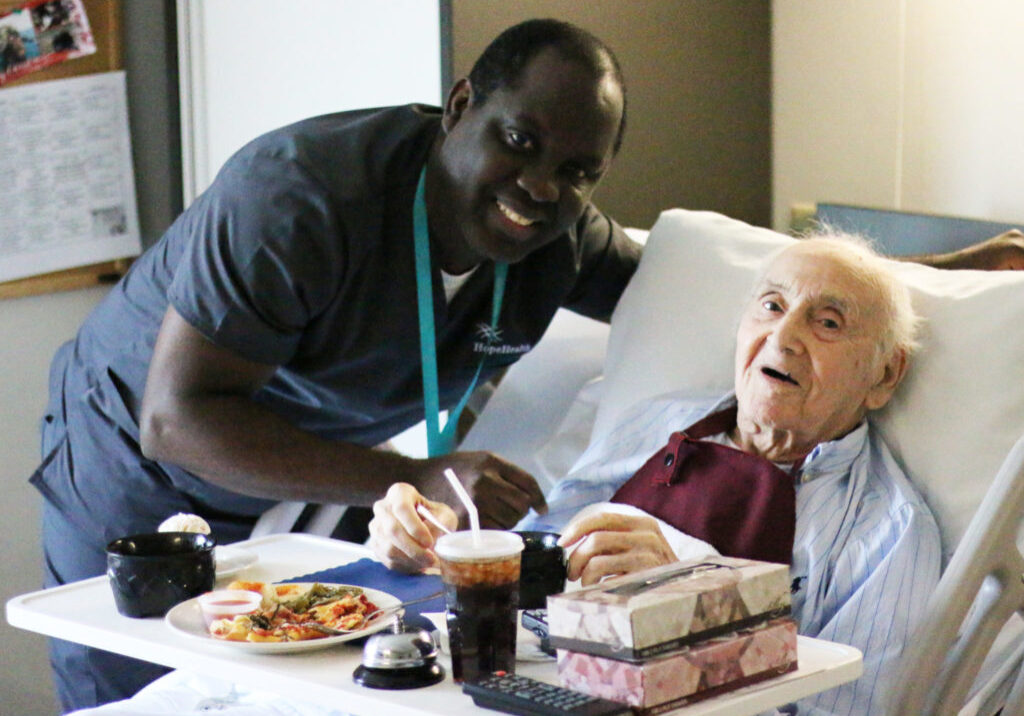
866 554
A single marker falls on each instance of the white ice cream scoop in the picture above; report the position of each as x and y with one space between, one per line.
183 522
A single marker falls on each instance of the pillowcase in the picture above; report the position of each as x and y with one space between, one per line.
951 423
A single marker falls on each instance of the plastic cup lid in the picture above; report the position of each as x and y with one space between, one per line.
494 544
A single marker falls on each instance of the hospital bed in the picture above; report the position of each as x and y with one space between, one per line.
956 423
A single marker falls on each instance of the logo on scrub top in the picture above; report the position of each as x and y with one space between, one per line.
489 342
488 333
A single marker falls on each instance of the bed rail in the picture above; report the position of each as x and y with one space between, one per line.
988 565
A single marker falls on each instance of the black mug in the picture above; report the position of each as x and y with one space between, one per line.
542 571
150 573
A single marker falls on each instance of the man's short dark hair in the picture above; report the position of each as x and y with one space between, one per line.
502 62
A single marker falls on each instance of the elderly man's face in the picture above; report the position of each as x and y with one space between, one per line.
807 354
522 166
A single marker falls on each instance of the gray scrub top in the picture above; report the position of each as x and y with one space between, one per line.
300 255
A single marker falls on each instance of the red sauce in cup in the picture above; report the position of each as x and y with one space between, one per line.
227 604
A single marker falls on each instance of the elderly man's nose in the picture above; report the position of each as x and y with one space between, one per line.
788 334
539 183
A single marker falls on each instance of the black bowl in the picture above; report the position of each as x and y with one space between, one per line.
543 569
150 573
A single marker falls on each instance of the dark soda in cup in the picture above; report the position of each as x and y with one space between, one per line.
481 589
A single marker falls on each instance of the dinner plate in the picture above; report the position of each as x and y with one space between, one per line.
187 619
232 560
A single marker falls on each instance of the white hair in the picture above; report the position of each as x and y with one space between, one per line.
900 323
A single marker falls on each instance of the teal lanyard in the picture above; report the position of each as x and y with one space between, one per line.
440 442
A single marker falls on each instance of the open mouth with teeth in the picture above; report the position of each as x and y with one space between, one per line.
778 375
515 217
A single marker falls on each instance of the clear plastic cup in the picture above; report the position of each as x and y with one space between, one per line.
481 591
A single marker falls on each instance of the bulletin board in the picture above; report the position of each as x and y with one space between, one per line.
105 23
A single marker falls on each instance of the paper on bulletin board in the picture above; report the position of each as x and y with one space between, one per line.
67 189
41 33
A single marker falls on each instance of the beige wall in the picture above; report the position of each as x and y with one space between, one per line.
903 104
33 328
698 79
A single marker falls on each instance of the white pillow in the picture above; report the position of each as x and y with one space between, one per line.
951 423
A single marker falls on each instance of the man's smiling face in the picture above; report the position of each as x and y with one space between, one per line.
518 170
808 358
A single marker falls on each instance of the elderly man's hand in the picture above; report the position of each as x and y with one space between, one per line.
399 536
609 544
1000 253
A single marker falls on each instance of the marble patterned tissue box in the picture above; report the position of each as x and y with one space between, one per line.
663 609
706 669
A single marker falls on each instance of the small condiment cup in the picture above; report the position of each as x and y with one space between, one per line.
227 604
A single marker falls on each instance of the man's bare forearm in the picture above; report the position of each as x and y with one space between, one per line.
1000 253
200 411
238 444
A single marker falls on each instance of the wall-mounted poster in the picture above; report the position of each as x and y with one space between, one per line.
67 189
42 33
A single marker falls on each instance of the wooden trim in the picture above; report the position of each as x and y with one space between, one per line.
447 51
100 274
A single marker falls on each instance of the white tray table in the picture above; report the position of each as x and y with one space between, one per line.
84 612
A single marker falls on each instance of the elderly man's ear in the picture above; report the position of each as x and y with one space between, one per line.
892 373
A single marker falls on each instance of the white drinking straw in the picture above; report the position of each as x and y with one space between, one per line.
429 517
474 518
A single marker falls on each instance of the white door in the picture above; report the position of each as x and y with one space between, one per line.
248 66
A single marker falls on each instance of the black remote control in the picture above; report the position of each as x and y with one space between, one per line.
513 694
536 620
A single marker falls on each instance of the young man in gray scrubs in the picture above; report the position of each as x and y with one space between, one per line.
263 347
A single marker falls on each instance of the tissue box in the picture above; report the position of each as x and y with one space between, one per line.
660 610
706 669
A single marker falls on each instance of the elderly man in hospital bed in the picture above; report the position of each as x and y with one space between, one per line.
824 338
